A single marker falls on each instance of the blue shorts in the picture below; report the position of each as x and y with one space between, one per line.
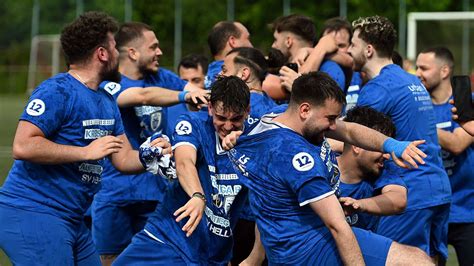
115 223
425 228
374 249
144 250
32 238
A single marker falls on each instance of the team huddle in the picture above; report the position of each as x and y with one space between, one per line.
324 152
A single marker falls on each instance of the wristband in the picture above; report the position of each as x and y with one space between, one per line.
199 195
391 145
182 96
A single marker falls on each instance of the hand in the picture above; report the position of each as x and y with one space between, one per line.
411 154
327 43
350 205
301 55
287 77
198 97
230 140
163 142
194 208
155 154
102 147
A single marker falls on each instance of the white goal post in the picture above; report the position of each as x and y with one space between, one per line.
414 17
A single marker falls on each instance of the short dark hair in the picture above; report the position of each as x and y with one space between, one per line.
371 118
315 88
80 38
194 61
276 59
252 58
130 31
300 25
442 53
379 32
232 92
219 35
336 24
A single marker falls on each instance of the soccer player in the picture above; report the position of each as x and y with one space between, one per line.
208 185
123 204
293 183
405 100
434 68
67 129
224 36
363 194
193 69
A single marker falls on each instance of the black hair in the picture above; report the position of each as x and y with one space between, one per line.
219 35
232 92
299 25
371 118
275 60
80 38
315 88
336 24
193 61
442 53
129 32
252 58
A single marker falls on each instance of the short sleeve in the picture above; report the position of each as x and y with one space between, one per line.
186 132
47 107
170 80
305 173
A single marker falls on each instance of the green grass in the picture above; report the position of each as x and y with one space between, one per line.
10 110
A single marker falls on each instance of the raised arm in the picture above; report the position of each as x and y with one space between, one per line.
330 212
185 157
369 139
30 144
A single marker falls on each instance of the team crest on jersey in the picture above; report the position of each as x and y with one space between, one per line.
36 107
183 128
155 121
303 161
112 87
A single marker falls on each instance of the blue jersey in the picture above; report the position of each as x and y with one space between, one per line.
213 71
403 98
118 186
335 72
68 113
459 169
370 188
352 93
283 180
211 242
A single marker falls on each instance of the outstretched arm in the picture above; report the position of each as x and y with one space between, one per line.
369 139
455 142
158 96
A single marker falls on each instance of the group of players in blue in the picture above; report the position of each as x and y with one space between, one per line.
384 199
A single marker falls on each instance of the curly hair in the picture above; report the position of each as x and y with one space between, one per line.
232 92
80 38
377 31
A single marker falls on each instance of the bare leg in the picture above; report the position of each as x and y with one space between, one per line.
407 255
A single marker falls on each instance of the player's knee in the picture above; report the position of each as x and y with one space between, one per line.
407 255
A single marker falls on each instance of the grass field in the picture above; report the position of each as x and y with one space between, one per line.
10 109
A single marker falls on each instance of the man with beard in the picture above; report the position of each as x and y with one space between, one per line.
294 183
364 195
123 204
405 100
67 129
434 68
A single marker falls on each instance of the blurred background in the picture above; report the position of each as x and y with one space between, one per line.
30 51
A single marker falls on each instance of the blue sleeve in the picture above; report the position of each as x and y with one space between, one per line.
374 96
119 129
305 173
335 72
48 107
170 80
186 132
